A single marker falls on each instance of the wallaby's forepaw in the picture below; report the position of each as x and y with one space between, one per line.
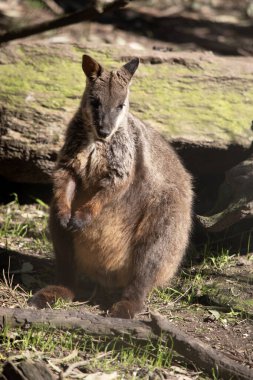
80 220
64 218
49 295
125 309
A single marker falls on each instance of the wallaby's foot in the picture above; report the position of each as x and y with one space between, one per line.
49 295
80 220
125 309
64 218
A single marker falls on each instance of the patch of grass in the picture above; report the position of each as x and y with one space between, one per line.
17 221
222 279
192 285
188 287
60 304
9 227
167 295
12 295
122 354
218 261
26 225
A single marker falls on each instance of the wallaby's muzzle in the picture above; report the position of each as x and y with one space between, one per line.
103 133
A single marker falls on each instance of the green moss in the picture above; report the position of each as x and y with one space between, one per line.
45 81
104 56
178 100
184 104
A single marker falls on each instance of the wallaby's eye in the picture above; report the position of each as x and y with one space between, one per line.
120 107
95 103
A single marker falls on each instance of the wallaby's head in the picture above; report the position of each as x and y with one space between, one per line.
105 102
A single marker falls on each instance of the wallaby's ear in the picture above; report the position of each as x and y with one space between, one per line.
91 68
130 67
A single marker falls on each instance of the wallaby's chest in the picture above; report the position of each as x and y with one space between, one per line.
91 164
101 161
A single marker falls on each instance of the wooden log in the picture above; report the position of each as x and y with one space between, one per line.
201 103
193 350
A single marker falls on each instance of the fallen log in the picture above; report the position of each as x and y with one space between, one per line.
193 350
200 102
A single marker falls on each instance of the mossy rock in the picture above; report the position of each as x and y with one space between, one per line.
198 101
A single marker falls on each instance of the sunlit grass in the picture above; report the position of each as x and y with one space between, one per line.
119 353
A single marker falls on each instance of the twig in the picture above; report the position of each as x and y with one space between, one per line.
67 358
91 11
55 367
81 363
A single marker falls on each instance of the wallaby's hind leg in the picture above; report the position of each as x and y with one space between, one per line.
65 269
156 258
147 271
133 296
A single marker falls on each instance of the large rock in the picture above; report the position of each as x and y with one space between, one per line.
200 102
235 199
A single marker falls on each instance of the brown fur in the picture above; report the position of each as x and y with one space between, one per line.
121 211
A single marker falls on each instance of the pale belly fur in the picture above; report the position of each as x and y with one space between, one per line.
102 251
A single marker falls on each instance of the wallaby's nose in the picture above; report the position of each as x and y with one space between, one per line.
103 133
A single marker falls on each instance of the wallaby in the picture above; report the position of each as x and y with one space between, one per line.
122 200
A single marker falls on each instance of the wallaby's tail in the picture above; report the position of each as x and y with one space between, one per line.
49 295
